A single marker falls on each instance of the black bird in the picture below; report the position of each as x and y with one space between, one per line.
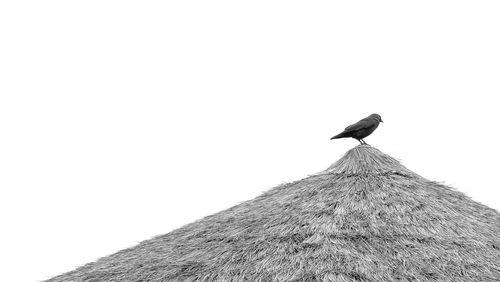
361 129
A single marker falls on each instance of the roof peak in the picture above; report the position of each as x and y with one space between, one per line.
365 159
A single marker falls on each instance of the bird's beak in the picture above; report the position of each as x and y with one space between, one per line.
381 121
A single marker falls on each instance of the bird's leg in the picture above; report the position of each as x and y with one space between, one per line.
360 141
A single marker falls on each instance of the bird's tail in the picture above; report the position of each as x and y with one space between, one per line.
341 135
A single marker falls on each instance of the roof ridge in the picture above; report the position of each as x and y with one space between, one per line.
365 159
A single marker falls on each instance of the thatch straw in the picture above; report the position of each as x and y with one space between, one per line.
366 218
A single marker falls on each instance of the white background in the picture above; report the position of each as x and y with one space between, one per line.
122 120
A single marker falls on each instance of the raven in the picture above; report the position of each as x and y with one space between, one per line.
361 129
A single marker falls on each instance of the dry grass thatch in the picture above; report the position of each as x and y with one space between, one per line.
366 218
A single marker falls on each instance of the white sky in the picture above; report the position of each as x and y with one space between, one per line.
122 120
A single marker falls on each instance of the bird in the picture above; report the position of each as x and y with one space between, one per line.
361 129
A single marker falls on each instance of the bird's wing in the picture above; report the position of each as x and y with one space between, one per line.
364 123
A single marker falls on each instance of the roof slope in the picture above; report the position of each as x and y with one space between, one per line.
366 218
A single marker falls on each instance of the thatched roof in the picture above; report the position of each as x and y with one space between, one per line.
366 218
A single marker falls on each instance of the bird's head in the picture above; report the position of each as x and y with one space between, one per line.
376 117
